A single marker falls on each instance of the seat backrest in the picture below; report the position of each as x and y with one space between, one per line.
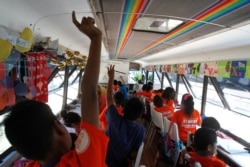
139 154
174 133
157 119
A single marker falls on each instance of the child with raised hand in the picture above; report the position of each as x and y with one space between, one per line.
125 134
34 131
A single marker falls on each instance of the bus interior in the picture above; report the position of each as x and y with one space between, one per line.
196 47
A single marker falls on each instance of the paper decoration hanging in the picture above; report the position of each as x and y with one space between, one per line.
210 68
36 62
5 49
24 41
71 59
247 75
166 68
224 68
238 69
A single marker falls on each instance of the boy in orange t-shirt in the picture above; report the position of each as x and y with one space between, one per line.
35 132
205 141
166 111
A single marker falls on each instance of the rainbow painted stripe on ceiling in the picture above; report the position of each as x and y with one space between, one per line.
131 12
221 8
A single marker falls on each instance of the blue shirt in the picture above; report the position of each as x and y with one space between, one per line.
124 137
123 90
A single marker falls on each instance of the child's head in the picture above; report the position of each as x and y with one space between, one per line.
119 98
205 140
158 101
133 109
73 120
168 93
144 87
187 103
33 130
119 83
115 82
210 122
148 88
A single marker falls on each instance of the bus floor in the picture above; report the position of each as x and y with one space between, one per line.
149 152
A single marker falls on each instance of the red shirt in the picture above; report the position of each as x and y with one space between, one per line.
91 147
207 161
186 123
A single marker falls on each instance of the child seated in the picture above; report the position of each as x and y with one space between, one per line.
166 111
205 141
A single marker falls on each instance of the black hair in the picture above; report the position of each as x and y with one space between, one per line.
158 101
71 118
29 128
168 93
188 102
115 82
119 83
144 87
133 109
204 137
210 122
148 88
119 98
150 83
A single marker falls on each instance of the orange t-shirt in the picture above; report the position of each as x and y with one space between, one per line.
186 123
166 111
91 147
208 161
169 103
115 88
103 120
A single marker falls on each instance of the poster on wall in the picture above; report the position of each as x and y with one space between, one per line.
210 68
224 69
238 69
121 70
182 69
174 68
195 68
166 68
157 68
247 75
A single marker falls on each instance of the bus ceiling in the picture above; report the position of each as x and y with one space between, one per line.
144 31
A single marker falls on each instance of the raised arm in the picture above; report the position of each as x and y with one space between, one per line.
89 101
122 80
111 73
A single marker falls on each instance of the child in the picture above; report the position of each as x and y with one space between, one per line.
187 118
34 131
168 96
126 135
205 141
166 111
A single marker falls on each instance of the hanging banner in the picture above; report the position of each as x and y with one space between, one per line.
174 68
247 75
210 68
182 69
166 68
196 69
36 63
238 69
224 69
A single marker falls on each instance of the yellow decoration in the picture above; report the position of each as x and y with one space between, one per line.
26 35
5 49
